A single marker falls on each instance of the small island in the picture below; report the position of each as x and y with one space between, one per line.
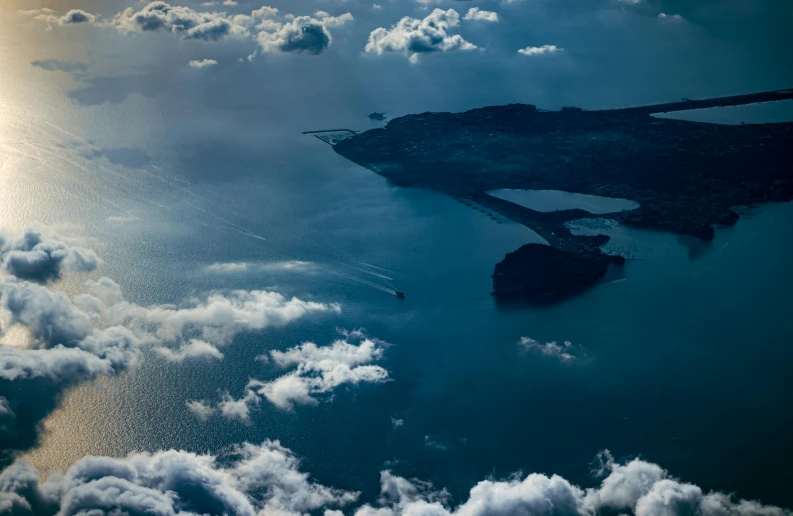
685 176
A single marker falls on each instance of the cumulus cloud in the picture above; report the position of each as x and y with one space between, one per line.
255 479
238 409
420 36
317 370
102 332
477 14
200 409
636 487
185 21
30 255
67 339
565 352
273 31
539 51
266 479
303 34
322 369
216 319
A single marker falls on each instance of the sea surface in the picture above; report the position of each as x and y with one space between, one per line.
685 360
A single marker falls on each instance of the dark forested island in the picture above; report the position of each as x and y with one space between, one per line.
686 176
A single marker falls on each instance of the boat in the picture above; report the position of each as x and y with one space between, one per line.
399 294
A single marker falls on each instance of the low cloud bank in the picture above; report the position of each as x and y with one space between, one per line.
635 487
256 479
266 479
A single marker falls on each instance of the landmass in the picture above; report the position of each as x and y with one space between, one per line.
686 176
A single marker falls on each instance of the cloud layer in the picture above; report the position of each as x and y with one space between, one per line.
266 479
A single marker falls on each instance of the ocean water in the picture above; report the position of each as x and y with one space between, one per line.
684 360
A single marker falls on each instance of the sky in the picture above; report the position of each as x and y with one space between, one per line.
245 71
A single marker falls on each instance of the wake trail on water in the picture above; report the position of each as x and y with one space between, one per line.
43 142
364 281
350 267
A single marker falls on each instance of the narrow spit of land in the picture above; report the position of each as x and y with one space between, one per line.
686 176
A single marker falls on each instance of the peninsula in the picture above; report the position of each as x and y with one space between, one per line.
686 176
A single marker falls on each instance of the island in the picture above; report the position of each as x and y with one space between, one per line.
685 176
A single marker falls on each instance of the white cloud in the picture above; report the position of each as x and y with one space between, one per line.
71 338
266 479
319 370
333 21
477 14
566 351
276 469
203 63
238 409
274 32
39 254
193 349
185 21
636 487
539 51
303 34
419 36
200 409
322 369
217 318
670 17
255 479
